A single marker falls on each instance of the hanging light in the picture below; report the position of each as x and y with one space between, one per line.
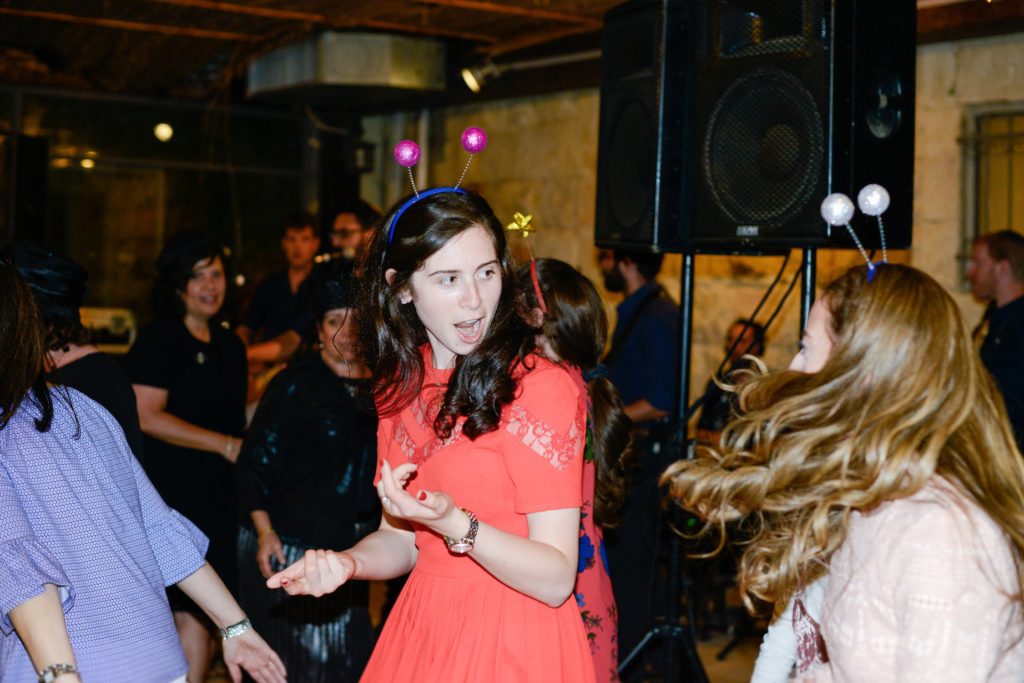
163 132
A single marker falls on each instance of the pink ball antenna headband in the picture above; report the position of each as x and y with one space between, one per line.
407 154
873 200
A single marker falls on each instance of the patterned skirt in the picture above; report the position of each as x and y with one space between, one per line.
319 639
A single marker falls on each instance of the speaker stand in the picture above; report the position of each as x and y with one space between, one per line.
671 631
809 268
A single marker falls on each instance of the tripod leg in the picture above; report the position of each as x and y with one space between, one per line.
624 663
743 628
686 637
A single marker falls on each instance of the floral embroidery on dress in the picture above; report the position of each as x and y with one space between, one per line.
599 614
542 439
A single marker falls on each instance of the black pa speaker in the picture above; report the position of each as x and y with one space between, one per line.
791 100
643 138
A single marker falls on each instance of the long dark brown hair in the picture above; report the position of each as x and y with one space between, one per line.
22 349
576 326
391 333
175 266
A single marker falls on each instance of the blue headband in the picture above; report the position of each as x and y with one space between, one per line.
412 200
599 370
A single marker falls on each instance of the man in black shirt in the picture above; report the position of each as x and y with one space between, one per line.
996 273
282 298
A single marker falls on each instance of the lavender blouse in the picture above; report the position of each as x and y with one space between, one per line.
77 511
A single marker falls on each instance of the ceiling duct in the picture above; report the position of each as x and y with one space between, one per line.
372 60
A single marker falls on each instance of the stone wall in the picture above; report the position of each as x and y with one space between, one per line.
952 77
542 160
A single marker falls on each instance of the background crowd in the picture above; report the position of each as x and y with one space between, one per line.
215 457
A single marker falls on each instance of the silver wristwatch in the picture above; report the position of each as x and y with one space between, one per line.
466 543
54 671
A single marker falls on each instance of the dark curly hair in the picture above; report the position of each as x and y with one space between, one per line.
392 334
576 326
174 267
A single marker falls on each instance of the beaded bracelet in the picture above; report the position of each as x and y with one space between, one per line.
54 671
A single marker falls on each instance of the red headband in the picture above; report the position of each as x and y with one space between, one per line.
536 286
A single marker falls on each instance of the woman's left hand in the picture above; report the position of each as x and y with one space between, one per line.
426 507
250 652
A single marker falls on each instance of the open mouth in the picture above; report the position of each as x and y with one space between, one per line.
470 331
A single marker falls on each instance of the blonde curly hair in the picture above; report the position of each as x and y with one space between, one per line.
902 397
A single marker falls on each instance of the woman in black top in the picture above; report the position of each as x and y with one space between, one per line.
189 376
58 288
306 481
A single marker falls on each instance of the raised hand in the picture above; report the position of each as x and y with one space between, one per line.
270 546
250 652
319 572
425 507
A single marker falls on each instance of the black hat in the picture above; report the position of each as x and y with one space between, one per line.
333 288
57 282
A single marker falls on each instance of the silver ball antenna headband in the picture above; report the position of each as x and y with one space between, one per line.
837 209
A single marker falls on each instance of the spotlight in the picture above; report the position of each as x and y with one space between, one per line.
87 163
476 76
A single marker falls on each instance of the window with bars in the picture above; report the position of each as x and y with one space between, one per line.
993 171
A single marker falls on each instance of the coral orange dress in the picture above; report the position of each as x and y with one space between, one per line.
453 620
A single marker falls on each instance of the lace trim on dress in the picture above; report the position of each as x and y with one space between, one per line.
419 454
537 435
422 408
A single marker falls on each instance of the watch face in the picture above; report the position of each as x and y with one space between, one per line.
460 548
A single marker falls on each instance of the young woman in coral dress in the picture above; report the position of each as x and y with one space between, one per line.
481 462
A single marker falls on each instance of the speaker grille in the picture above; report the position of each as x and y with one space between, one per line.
764 149
632 164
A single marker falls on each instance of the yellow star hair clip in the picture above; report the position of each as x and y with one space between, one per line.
521 223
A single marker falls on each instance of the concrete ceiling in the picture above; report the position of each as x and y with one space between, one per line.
197 48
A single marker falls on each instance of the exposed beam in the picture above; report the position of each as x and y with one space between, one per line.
514 10
975 19
249 10
415 29
130 25
532 39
